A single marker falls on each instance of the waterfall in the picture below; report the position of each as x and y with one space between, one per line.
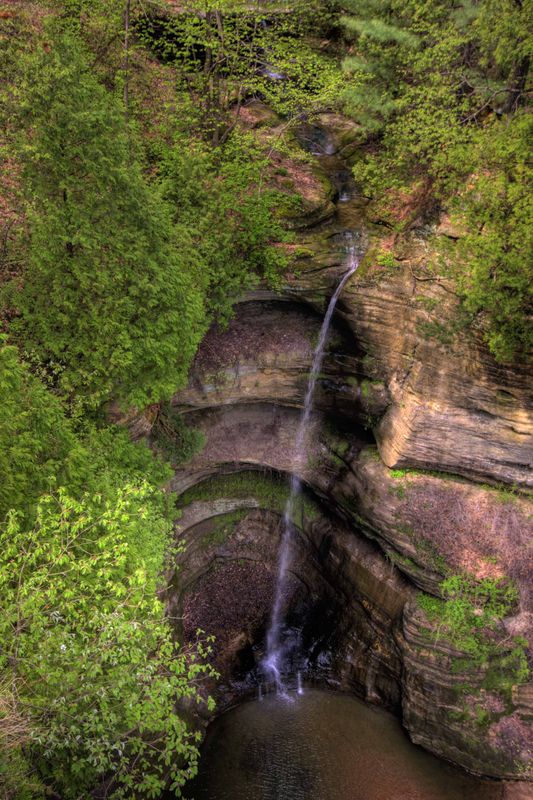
273 663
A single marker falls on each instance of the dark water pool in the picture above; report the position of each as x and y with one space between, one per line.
323 746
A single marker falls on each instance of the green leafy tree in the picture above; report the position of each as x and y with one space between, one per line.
90 671
35 437
431 82
220 196
423 75
408 85
109 303
226 51
493 261
505 32
40 447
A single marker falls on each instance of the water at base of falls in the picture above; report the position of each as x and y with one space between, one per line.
274 662
323 746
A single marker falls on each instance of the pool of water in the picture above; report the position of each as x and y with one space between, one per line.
323 746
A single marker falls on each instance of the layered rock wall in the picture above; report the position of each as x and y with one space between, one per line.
411 441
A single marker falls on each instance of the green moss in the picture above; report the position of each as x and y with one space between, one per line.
508 669
269 491
401 560
431 606
386 259
366 389
398 474
467 616
222 528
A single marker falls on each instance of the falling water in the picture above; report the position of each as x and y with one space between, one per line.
370 676
273 663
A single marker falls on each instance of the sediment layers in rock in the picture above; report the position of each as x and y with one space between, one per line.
408 430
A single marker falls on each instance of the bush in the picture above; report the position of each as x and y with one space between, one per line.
98 674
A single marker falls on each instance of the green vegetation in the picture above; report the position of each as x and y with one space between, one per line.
468 617
123 251
222 527
500 491
96 675
174 439
230 223
123 276
81 626
398 474
386 259
441 92
268 490
497 210
41 447
108 300
224 51
136 207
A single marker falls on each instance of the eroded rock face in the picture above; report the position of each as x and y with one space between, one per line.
473 727
453 408
370 535
347 601
266 352
344 601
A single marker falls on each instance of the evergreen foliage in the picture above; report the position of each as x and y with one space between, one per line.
110 303
494 259
35 437
219 197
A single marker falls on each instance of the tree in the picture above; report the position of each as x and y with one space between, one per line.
431 83
35 437
493 261
379 44
227 51
423 75
89 667
219 197
110 304
409 87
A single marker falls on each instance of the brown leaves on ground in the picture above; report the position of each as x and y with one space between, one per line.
478 530
257 329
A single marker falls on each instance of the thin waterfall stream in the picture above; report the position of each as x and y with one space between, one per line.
273 664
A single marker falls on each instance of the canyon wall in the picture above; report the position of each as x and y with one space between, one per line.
415 436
